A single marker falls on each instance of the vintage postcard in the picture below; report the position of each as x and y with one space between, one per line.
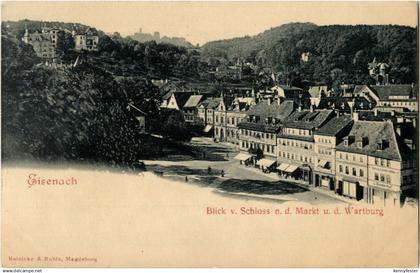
209 134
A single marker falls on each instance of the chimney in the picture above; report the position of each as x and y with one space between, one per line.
375 112
351 104
268 101
312 108
355 116
398 130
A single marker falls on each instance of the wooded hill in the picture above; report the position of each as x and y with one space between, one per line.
336 52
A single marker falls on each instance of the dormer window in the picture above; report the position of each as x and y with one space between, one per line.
382 145
346 142
359 144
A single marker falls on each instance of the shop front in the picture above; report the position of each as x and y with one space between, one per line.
244 158
288 170
350 188
324 181
266 165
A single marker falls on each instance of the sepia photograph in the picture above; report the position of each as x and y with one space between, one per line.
209 134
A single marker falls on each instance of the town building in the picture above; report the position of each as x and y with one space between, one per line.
374 164
317 92
344 104
220 117
190 109
229 113
86 39
325 141
206 110
139 115
234 115
401 96
44 43
378 71
295 143
177 100
258 132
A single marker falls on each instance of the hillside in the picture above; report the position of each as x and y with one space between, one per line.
336 53
18 27
250 47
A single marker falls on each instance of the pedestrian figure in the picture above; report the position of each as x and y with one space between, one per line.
186 178
209 170
222 173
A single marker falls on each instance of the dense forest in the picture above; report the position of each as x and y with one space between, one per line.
337 53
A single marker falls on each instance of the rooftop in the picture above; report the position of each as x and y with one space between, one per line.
373 132
335 125
210 103
315 91
384 92
263 111
181 98
308 120
193 101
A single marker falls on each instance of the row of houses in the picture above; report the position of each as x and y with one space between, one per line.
366 153
371 159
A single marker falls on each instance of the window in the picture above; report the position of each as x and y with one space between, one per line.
382 178
376 161
353 171
382 162
361 173
347 170
376 177
361 159
388 163
388 179
340 168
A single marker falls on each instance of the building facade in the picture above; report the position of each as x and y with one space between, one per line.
44 43
258 132
295 142
86 40
373 165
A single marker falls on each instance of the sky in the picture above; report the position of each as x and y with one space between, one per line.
200 22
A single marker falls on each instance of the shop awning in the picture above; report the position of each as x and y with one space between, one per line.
322 163
283 167
291 168
207 128
242 156
266 162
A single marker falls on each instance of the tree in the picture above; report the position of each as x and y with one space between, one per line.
65 42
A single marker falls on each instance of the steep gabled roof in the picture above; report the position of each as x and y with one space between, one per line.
264 111
181 98
314 91
334 126
308 120
375 132
385 91
210 103
193 101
